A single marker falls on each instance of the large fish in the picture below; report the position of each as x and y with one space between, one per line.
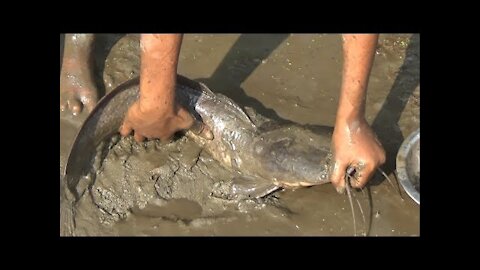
267 157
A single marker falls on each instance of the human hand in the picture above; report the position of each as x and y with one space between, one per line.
355 144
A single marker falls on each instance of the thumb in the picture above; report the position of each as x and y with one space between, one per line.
337 175
184 119
90 104
364 176
125 129
196 126
202 130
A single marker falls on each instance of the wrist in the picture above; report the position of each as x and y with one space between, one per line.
157 94
346 118
348 113
155 107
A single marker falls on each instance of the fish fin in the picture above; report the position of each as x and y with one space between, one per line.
67 211
67 219
254 187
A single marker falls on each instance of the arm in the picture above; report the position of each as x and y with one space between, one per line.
156 114
354 142
159 54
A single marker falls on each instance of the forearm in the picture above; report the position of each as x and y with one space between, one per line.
159 60
358 55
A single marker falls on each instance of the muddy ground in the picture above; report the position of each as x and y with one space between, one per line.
284 77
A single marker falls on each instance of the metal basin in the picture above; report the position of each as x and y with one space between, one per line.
408 165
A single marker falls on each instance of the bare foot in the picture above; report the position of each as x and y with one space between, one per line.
77 87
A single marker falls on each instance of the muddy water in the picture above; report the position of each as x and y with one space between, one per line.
284 77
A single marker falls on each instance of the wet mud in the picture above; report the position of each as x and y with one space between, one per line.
154 189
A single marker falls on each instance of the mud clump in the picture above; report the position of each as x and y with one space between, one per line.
174 181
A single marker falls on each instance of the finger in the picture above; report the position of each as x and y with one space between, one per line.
90 104
202 130
166 138
383 158
75 106
364 176
138 137
196 126
184 119
125 129
63 105
88 96
337 175
64 99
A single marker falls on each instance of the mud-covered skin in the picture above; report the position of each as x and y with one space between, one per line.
77 86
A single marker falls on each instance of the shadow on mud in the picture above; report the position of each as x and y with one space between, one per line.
237 65
386 122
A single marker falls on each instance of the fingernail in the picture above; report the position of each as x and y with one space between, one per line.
197 127
354 184
340 190
202 130
208 135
